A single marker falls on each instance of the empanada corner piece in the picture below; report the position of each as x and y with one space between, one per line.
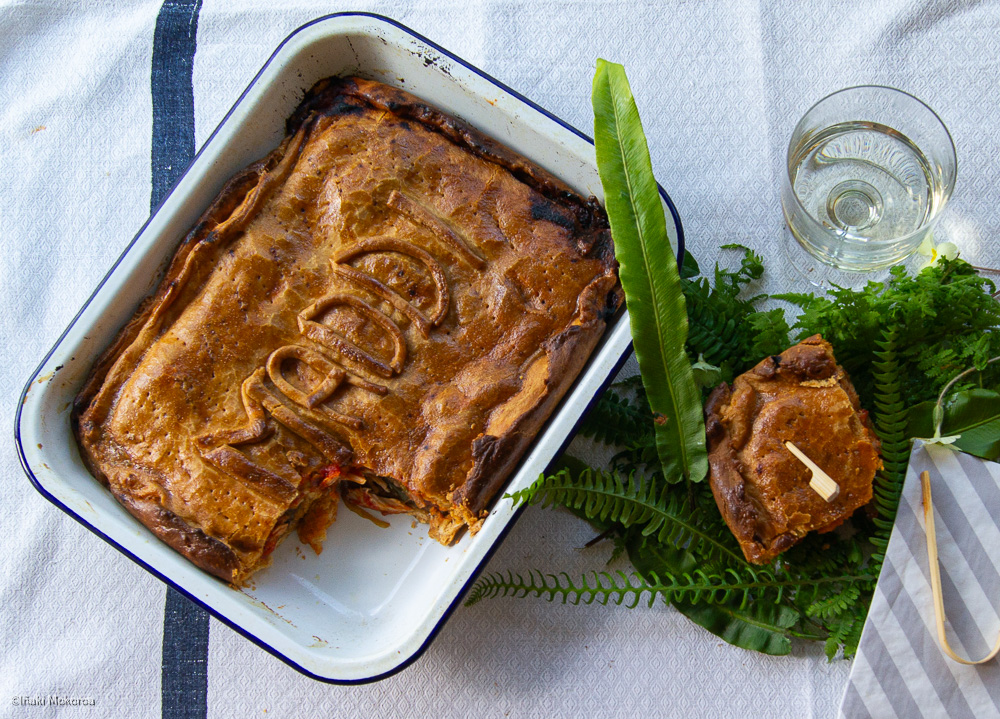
385 309
801 396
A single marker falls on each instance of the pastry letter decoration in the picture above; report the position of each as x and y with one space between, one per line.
262 405
325 336
333 376
366 247
442 229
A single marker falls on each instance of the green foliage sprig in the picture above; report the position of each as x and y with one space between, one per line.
901 341
945 320
726 328
673 534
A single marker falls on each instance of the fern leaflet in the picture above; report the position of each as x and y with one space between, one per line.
890 420
629 589
605 496
614 420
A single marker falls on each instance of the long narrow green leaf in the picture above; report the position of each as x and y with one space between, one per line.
648 271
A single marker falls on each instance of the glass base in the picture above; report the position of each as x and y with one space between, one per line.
820 275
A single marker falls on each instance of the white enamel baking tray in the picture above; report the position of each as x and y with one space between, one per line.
373 601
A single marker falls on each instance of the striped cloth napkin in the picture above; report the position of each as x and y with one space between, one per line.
900 670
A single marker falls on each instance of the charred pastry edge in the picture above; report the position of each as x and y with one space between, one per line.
493 457
728 484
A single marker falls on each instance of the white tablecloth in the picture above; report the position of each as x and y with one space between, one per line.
719 86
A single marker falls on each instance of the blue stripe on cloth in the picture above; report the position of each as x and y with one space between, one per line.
184 668
174 42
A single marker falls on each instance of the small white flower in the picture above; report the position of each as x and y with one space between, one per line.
934 253
938 418
950 439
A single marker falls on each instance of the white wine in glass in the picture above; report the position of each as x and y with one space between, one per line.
869 171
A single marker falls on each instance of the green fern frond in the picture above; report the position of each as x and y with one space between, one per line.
836 604
846 634
619 548
614 420
605 496
850 636
713 322
724 326
890 421
639 457
629 589
601 587
751 268
769 332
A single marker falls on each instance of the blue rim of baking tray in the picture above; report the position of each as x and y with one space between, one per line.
503 533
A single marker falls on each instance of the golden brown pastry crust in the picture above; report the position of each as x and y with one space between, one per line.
762 490
388 290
